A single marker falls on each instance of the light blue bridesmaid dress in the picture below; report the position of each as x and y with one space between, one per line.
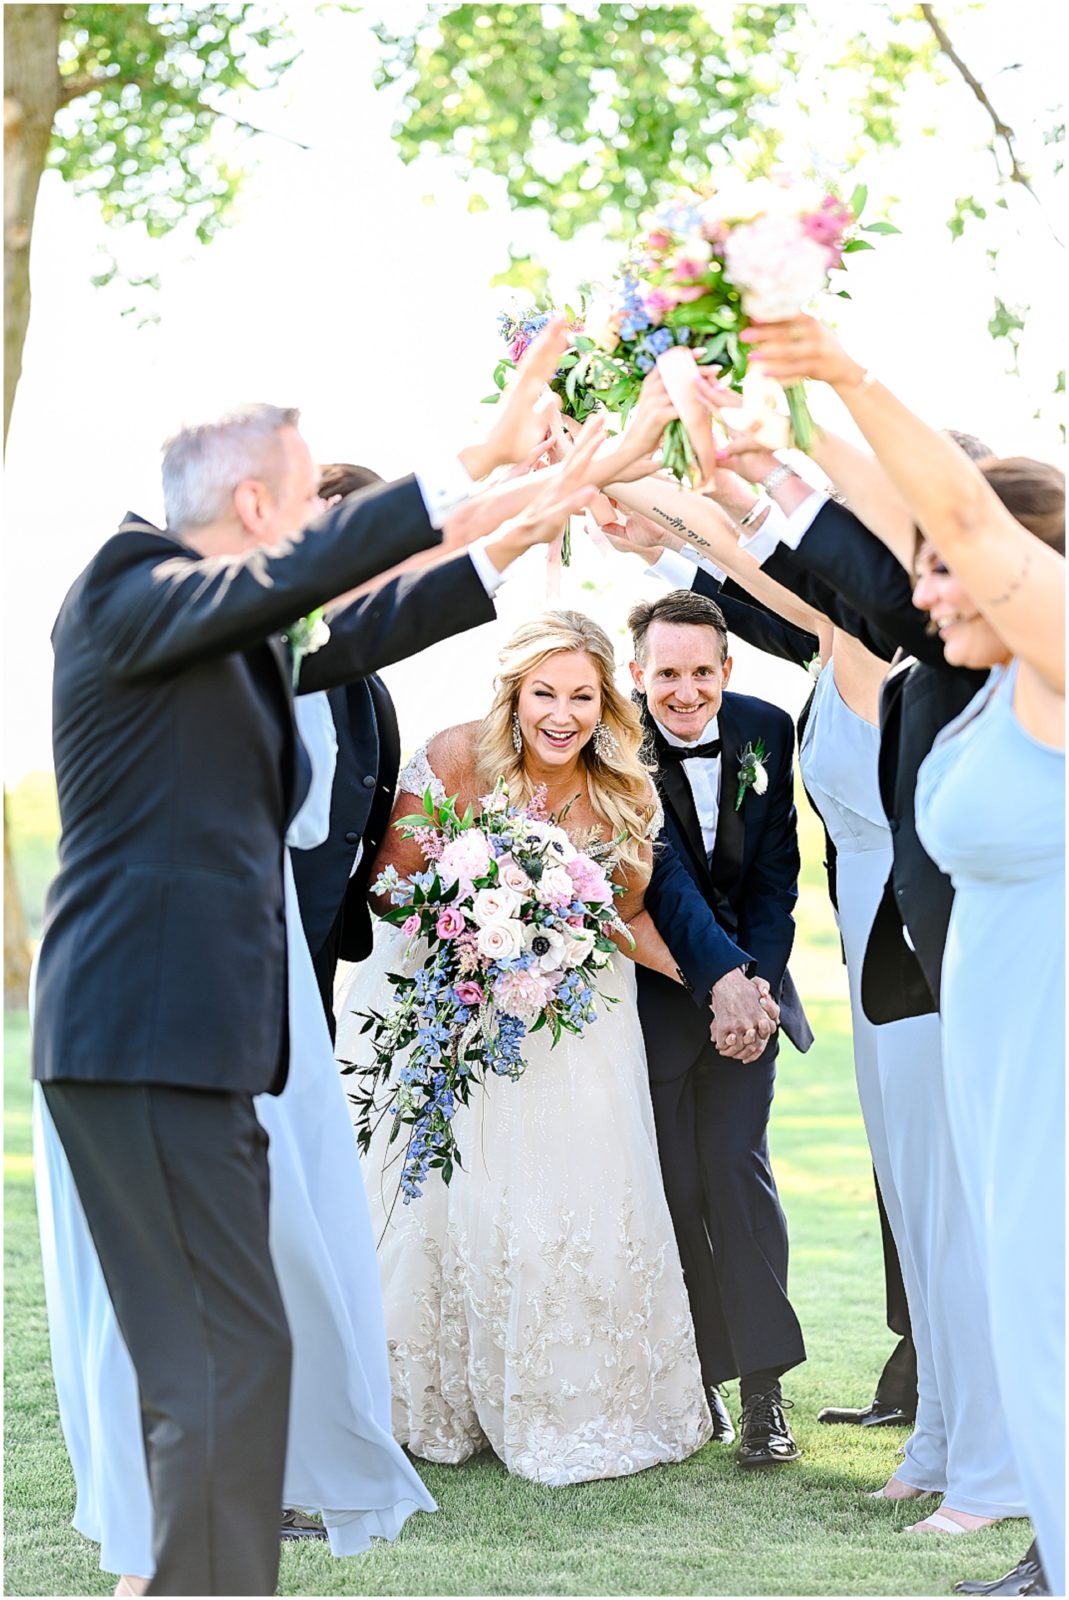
991 812
959 1443
341 1458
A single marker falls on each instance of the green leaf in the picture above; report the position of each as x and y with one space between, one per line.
857 200
857 244
880 227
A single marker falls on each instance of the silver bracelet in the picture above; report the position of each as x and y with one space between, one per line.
777 477
752 515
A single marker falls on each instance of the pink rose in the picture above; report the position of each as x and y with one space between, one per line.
658 240
686 268
410 925
657 303
450 923
469 993
518 348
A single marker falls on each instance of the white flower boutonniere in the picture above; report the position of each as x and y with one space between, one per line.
306 636
752 772
814 667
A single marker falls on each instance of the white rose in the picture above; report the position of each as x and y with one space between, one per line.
500 941
554 887
547 945
495 905
600 325
578 945
777 267
760 778
696 247
320 636
512 875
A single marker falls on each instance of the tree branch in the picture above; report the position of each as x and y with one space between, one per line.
1003 130
75 88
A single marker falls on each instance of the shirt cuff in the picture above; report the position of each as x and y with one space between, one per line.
488 574
445 485
761 543
674 568
801 519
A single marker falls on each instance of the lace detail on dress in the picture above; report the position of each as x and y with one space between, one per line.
417 776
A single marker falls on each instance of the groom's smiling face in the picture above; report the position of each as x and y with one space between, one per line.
683 676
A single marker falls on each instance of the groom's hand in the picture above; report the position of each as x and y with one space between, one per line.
741 1026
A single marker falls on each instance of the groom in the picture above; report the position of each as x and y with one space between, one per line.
725 779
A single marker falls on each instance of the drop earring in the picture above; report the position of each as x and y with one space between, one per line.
605 743
517 736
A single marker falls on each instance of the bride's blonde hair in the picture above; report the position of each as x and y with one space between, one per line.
620 787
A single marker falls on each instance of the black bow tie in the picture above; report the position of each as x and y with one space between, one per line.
691 752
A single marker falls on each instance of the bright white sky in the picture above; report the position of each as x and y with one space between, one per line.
357 288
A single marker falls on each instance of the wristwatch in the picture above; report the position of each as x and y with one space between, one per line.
777 477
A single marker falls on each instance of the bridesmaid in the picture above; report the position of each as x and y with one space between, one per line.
990 810
341 1458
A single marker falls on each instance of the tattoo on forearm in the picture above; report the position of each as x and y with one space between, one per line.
1000 599
681 527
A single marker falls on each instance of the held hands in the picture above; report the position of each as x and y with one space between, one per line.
744 1016
801 348
560 494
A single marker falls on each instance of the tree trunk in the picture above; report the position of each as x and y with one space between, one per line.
16 933
32 96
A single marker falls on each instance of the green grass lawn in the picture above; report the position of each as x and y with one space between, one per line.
702 1528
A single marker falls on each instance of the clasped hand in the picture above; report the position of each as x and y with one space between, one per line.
745 1016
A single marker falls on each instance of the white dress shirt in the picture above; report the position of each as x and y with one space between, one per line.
703 775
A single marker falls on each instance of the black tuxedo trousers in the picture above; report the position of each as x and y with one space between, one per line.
712 1135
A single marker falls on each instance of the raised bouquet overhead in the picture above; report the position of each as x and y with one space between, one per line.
710 261
513 924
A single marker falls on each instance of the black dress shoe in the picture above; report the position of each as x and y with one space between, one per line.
872 1416
765 1439
295 1525
723 1427
1019 1581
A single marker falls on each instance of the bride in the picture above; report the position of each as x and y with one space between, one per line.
537 1304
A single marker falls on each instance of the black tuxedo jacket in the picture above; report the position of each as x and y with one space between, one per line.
434 605
746 893
762 627
852 576
178 768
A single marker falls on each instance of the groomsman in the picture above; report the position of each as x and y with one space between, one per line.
161 996
726 782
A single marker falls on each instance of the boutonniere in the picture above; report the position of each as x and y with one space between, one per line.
752 772
813 667
306 636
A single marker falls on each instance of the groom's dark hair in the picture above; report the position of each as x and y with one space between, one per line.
681 606
341 477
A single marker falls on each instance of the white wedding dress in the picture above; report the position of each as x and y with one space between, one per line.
537 1303
341 1460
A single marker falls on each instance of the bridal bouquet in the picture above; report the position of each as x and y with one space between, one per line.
709 262
515 922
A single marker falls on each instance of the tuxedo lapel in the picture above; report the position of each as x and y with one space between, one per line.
726 865
294 777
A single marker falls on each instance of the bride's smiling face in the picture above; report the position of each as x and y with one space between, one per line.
559 704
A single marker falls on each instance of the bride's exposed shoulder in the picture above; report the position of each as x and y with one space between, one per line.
451 756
